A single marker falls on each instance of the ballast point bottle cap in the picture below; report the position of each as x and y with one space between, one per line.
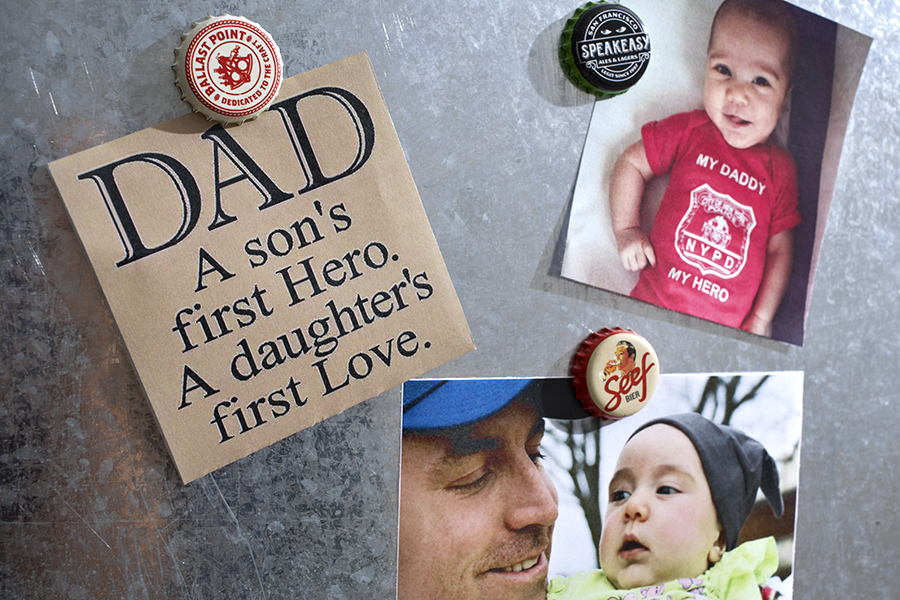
604 49
615 373
228 68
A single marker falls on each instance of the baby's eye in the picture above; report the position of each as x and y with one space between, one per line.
761 81
619 496
723 70
665 490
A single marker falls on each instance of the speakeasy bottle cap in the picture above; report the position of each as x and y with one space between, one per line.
604 49
229 69
615 373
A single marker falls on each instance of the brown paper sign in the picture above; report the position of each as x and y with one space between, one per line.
267 276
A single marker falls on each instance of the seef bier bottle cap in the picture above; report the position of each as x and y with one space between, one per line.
615 372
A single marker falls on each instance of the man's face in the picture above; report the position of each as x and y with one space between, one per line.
621 355
746 81
660 523
477 525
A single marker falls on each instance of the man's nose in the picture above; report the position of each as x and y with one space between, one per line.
531 498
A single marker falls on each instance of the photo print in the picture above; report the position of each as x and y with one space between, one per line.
497 501
736 238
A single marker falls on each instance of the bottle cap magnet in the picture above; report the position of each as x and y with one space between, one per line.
615 373
604 49
228 68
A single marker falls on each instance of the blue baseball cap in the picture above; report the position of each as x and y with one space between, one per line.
432 404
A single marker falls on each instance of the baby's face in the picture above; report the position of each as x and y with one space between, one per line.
746 81
660 523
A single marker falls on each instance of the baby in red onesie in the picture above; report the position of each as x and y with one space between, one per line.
721 246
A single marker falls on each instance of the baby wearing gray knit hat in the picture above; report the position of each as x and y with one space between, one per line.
682 490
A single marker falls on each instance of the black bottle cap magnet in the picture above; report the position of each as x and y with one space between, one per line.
604 49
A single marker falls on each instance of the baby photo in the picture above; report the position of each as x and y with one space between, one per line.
509 490
705 189
693 496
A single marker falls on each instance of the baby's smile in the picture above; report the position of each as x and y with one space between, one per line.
736 120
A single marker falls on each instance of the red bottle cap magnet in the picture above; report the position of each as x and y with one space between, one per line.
615 373
228 68
604 49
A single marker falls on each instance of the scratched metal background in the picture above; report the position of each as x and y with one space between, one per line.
90 504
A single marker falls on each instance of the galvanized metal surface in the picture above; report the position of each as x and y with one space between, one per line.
91 505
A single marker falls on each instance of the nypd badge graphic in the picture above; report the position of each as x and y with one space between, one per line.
714 233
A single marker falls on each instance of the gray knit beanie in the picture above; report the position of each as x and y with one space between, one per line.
736 466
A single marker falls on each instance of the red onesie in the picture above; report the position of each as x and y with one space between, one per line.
713 226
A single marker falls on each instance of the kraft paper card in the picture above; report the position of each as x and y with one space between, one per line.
266 276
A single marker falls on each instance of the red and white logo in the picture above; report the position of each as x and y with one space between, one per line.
233 67
235 70
714 233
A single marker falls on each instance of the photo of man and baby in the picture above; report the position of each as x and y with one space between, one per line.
696 491
705 189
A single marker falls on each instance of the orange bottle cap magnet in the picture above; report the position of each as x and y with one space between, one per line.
228 68
615 373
